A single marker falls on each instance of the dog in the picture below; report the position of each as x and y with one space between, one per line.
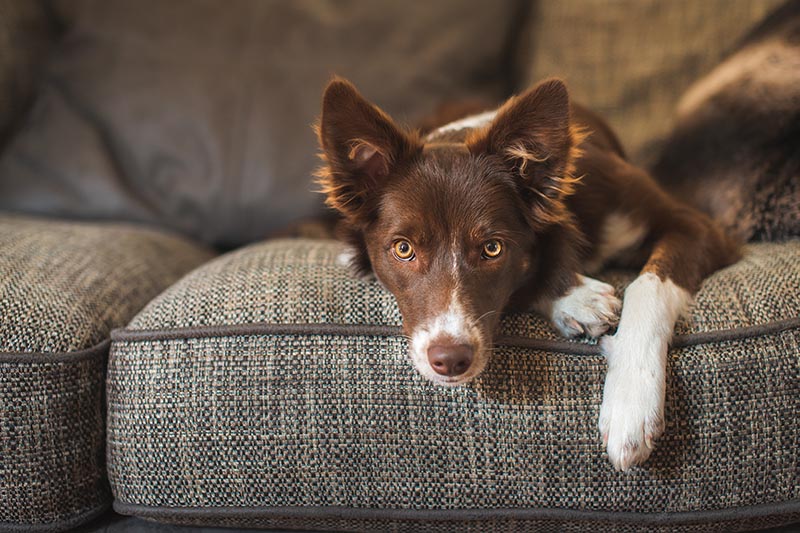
733 152
511 210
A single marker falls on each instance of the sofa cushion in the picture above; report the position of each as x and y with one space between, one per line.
197 115
272 388
733 151
27 32
63 287
631 60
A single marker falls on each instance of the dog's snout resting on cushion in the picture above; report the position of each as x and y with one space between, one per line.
510 210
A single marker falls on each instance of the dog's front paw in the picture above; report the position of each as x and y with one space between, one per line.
590 309
632 413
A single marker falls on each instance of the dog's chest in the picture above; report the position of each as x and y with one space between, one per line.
619 236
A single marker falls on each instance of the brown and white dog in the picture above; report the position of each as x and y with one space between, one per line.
509 210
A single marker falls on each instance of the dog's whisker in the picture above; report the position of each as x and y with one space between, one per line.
484 315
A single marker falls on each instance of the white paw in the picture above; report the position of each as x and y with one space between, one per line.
632 413
590 309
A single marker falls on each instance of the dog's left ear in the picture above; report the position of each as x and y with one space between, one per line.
533 134
360 146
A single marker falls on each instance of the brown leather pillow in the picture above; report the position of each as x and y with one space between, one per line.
197 115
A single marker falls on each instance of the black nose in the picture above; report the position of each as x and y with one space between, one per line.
450 359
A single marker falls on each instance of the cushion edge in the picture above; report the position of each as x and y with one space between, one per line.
790 509
555 345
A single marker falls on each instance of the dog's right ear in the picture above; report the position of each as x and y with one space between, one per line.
360 147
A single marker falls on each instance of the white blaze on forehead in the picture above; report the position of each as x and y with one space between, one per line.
456 256
474 121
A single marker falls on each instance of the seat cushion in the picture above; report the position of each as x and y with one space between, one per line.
272 388
63 287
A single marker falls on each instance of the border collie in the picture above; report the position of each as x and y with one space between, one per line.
510 210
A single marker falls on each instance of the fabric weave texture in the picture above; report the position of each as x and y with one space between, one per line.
204 419
63 287
631 60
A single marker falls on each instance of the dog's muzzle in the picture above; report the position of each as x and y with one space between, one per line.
450 360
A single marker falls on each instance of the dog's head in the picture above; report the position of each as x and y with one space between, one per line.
450 228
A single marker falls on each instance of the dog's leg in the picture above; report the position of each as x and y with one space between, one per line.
632 412
589 308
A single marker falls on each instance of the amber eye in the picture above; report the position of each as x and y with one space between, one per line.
492 249
403 250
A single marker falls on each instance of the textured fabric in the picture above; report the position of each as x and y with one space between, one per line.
26 34
325 420
630 60
324 520
52 437
196 115
734 150
63 286
275 282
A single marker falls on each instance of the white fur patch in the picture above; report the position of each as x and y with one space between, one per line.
619 234
632 413
455 326
346 257
589 308
474 121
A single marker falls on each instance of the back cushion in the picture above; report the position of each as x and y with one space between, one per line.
197 115
26 33
631 60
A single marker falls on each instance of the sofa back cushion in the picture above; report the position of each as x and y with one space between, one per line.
27 30
631 60
197 115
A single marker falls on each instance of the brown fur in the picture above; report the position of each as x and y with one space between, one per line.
734 152
542 177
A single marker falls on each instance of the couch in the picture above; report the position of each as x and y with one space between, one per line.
160 353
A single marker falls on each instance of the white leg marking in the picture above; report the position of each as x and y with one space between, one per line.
455 326
589 308
632 413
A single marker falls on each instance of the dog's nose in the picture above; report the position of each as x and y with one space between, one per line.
450 359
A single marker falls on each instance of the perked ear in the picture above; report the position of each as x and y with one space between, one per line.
533 134
360 146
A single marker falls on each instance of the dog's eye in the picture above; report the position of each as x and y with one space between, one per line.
403 250
492 249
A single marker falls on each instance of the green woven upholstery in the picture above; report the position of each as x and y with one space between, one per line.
272 388
63 287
